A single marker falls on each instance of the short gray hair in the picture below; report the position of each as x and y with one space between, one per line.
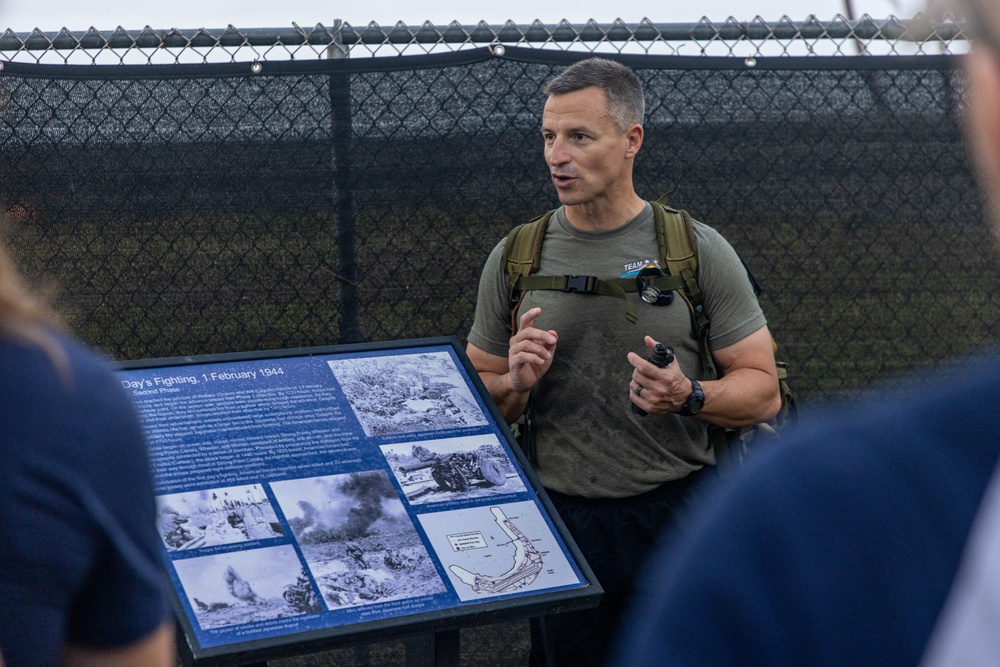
620 84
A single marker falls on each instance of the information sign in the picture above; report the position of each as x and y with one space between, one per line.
323 496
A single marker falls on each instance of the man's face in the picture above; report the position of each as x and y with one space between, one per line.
588 156
982 66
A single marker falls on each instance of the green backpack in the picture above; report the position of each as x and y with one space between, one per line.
679 260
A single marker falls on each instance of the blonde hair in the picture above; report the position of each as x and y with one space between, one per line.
24 315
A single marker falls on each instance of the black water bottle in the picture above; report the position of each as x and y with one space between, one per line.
660 356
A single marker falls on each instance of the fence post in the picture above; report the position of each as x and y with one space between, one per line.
340 104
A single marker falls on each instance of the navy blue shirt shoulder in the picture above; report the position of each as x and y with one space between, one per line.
80 558
836 547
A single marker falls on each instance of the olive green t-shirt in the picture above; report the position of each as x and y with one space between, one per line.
589 442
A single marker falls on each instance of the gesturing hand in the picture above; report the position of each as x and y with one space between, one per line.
531 352
657 390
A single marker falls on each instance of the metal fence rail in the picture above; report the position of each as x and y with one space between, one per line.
747 39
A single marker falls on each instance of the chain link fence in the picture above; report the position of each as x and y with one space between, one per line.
193 192
730 37
205 207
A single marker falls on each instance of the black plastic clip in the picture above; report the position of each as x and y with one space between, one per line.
585 284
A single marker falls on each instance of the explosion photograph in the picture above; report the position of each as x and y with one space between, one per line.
246 586
357 539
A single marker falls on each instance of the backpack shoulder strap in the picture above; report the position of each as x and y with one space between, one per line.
521 253
679 254
675 238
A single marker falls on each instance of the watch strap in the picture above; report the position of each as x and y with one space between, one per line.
694 402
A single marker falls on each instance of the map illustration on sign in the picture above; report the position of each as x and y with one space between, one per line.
497 550
527 561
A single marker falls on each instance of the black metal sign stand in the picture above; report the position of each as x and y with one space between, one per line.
438 650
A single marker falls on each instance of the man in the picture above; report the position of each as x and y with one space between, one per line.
871 538
614 476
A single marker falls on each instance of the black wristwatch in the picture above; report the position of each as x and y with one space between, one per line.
694 402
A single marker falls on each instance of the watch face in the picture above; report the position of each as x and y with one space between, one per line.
695 401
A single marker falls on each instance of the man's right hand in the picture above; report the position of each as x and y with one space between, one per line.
510 379
531 352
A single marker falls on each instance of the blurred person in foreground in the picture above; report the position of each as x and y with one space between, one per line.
82 581
872 537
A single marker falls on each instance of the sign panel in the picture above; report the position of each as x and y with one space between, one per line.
314 497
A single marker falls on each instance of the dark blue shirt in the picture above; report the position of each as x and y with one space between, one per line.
837 546
79 553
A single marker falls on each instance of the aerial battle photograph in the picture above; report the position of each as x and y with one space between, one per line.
407 393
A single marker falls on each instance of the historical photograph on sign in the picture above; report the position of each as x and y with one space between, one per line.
357 539
246 586
497 550
440 470
216 516
407 393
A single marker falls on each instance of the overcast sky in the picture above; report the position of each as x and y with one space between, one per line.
51 15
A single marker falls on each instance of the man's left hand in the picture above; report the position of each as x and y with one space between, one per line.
657 390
